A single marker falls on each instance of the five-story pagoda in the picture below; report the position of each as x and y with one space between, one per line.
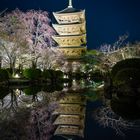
71 30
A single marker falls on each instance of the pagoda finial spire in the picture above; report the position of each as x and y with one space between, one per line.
70 4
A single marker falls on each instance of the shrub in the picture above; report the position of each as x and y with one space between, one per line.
129 76
33 74
10 72
3 75
51 74
128 63
126 72
97 76
59 74
48 74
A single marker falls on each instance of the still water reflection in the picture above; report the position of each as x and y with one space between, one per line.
76 110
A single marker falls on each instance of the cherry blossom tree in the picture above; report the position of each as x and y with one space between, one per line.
33 29
108 48
111 54
51 58
12 39
38 33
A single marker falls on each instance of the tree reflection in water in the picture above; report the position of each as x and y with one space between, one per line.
27 117
107 118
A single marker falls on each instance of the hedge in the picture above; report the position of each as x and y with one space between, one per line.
33 74
51 74
130 76
127 63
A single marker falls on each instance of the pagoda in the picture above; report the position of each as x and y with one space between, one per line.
71 32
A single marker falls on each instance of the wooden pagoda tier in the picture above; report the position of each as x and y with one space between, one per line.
70 41
70 29
70 16
73 53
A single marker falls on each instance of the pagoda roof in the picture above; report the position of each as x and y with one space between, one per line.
69 10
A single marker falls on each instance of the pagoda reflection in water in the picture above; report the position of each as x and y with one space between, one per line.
70 119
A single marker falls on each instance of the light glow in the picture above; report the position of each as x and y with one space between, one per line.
16 76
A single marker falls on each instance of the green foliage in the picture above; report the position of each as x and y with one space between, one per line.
3 75
59 74
97 76
91 59
49 74
59 87
32 74
10 72
92 96
93 52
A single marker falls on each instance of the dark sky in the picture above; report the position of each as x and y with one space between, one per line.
106 19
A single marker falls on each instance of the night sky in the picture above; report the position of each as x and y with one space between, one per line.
106 19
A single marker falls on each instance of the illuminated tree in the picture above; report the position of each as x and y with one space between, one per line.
38 33
51 58
107 48
12 39
111 54
31 28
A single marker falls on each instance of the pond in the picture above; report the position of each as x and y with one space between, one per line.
74 111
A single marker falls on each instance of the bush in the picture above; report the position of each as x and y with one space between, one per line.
97 76
129 76
51 74
126 72
3 75
10 72
48 74
32 74
128 63
59 74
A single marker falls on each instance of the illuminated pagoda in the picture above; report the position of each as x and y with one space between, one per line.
71 30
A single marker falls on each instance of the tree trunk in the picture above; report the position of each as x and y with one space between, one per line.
12 65
34 65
